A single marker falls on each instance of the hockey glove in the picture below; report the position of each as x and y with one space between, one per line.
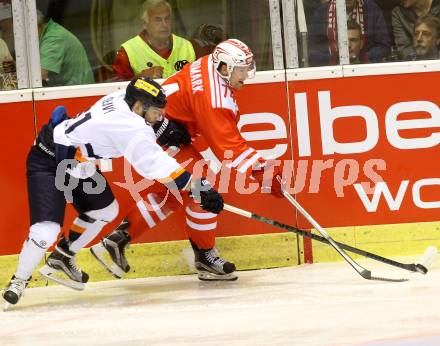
209 199
271 182
170 133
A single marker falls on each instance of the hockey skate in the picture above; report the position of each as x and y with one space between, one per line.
211 267
110 252
61 263
14 291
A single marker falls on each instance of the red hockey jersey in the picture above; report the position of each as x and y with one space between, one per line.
204 102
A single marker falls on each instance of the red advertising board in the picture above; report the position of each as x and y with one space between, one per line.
379 128
340 135
17 136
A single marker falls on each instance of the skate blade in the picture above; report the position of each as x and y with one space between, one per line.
51 274
207 276
99 252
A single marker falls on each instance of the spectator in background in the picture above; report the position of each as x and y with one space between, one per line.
375 39
310 6
8 75
155 52
6 26
354 35
63 58
205 37
403 18
426 38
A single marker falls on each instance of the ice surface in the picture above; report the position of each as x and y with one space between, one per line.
319 304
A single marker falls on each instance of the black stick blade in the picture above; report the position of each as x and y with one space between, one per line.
377 278
421 268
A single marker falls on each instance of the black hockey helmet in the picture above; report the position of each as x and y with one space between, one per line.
146 90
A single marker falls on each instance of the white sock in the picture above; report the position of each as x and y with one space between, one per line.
28 260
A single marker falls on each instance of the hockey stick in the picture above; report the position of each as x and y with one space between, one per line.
419 268
365 273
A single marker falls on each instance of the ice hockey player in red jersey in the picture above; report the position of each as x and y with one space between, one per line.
201 97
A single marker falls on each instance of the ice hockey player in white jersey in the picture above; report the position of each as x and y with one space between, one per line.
60 166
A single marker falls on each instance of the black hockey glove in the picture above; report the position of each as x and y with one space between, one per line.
210 200
170 133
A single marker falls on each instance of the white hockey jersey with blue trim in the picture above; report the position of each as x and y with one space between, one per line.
109 129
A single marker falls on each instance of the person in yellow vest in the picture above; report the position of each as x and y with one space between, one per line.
156 52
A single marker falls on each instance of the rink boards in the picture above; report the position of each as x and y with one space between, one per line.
364 152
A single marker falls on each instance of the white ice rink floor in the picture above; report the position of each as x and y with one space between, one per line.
319 304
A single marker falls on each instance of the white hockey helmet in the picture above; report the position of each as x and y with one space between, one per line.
234 53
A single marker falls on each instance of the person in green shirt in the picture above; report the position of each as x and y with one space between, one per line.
63 58
156 52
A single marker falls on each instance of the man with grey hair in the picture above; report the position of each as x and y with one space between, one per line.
156 52
403 18
426 38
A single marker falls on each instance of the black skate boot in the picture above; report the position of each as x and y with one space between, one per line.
14 291
62 261
114 245
211 267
